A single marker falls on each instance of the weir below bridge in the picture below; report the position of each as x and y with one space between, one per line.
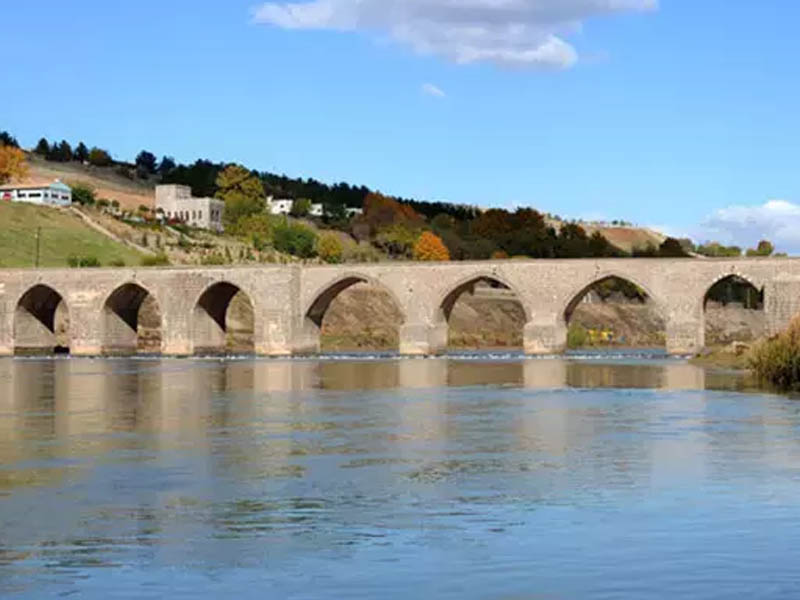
102 306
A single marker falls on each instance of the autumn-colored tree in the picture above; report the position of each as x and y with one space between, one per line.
429 247
12 164
242 193
329 248
381 211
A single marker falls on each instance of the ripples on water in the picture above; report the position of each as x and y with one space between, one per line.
363 477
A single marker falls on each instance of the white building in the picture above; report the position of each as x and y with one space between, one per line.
176 202
55 194
317 210
279 206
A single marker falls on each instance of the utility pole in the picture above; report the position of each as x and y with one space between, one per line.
38 236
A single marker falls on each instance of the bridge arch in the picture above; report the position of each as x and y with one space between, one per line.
640 291
41 321
323 297
509 323
733 309
224 320
129 311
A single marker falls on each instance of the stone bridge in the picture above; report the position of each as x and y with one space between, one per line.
289 302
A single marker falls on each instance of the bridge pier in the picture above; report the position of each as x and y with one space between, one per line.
685 335
543 337
421 339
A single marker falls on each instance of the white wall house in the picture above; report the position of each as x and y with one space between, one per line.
55 194
279 206
317 210
177 202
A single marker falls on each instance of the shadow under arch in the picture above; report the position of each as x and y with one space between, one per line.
494 314
614 309
386 314
733 310
223 320
131 321
41 322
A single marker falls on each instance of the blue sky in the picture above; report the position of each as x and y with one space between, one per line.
680 114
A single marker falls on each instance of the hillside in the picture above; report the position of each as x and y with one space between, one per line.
63 234
106 181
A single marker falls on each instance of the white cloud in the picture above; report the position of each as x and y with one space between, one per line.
515 33
776 220
432 90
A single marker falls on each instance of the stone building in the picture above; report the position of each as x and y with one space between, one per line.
55 194
177 202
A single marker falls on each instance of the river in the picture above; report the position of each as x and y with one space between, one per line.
486 477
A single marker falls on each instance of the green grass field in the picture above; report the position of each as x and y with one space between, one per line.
62 234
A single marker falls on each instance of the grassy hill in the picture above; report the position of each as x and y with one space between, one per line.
106 181
62 234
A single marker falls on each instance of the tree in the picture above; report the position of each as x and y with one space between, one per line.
429 247
166 165
295 239
242 193
146 162
42 148
6 139
397 240
765 248
83 194
81 152
99 157
301 207
672 248
329 248
12 164
60 152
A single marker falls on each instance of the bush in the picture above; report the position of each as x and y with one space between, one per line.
397 240
777 361
329 248
361 253
213 259
295 239
577 336
429 247
81 262
117 262
83 194
158 260
103 203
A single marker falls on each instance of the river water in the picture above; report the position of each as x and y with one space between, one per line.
471 477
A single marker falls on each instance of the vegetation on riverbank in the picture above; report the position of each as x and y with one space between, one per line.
776 361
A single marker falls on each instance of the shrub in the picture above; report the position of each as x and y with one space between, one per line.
295 239
361 253
103 203
158 260
429 247
83 194
329 248
301 207
397 240
117 262
777 360
213 259
577 336
81 262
